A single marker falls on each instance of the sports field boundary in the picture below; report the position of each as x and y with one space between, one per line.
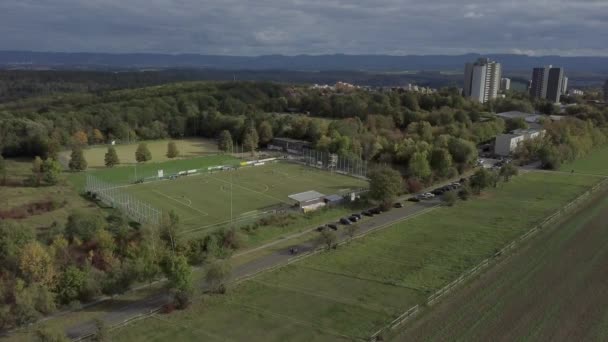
497 258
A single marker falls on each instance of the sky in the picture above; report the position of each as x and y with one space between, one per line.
291 27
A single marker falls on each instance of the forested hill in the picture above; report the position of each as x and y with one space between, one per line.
510 62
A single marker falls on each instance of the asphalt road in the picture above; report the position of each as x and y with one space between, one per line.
251 268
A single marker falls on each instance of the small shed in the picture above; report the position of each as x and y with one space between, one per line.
333 200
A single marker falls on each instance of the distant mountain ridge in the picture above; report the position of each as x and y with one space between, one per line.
375 63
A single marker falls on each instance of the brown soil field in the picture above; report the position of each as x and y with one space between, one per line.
554 288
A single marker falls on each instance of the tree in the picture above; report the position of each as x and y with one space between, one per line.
225 141
250 140
481 180
80 138
515 123
36 264
77 161
327 238
449 198
169 229
507 171
385 185
52 171
172 150
142 154
265 133
352 230
216 275
3 170
111 158
178 272
441 161
71 284
97 136
37 171
418 166
83 225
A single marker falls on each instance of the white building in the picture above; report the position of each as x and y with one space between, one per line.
565 85
482 80
505 84
507 143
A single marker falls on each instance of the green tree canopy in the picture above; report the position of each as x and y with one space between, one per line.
225 141
77 160
385 184
111 157
418 166
142 154
172 151
51 171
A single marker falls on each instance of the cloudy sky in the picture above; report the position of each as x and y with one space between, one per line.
256 27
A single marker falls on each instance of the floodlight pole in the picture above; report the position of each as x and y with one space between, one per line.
231 220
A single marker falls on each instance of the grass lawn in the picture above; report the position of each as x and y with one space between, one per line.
595 162
203 201
188 148
359 288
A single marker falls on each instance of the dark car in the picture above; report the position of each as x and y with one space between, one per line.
376 211
320 229
333 226
357 216
413 199
345 221
398 205
353 219
368 213
438 192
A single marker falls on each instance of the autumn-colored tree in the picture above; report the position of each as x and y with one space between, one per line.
36 264
97 136
80 138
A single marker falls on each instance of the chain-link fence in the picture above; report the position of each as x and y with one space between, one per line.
331 162
114 196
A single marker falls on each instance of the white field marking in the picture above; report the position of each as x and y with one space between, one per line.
182 203
246 188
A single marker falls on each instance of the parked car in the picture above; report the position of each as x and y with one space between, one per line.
427 195
368 213
376 211
413 199
398 205
321 228
333 226
438 191
353 219
345 221
357 216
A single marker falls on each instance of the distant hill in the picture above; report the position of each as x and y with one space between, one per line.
372 63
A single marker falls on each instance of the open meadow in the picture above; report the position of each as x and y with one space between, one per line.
204 201
595 163
188 148
351 292
554 289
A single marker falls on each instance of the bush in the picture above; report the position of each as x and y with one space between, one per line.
449 198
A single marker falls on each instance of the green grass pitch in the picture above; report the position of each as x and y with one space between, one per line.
203 201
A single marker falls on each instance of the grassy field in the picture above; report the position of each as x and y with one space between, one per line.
554 289
203 201
594 163
357 289
188 148
16 196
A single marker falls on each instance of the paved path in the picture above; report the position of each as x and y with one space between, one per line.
276 259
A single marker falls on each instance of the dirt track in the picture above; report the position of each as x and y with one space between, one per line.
554 289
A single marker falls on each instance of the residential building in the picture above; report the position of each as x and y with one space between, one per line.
547 83
482 80
507 143
505 84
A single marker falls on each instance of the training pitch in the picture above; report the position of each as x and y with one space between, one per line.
209 200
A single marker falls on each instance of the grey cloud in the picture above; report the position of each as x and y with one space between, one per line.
254 27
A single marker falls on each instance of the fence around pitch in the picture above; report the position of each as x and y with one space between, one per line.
323 160
114 196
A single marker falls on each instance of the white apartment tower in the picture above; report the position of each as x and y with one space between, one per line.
482 80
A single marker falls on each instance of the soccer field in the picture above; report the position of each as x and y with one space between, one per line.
204 201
